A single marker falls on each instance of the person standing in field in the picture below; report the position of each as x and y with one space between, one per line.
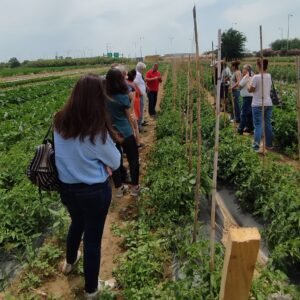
140 82
119 108
261 97
235 81
246 124
134 96
85 155
225 81
153 79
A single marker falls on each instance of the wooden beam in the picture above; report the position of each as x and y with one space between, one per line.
239 263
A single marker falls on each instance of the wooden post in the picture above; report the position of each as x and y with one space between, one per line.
298 103
187 115
199 136
262 91
196 32
239 263
216 156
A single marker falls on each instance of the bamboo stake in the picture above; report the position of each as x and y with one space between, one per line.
262 92
214 71
216 155
191 134
298 103
174 77
187 109
199 137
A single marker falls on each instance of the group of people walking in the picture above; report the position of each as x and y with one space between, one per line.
99 123
255 91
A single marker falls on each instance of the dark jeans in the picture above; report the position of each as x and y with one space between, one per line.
152 97
246 114
130 147
257 120
237 110
88 207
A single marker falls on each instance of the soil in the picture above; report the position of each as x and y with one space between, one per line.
49 74
122 209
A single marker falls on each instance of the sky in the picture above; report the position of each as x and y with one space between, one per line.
32 29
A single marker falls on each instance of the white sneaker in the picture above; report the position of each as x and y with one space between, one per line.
135 191
91 296
111 283
121 191
67 268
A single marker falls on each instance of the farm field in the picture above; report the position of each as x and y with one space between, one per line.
154 257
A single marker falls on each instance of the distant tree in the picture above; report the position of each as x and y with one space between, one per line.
233 44
281 44
14 63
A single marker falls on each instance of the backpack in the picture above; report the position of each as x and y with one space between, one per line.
42 171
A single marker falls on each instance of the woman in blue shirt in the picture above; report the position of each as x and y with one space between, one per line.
119 107
85 156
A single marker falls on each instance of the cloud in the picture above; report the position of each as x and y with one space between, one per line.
40 28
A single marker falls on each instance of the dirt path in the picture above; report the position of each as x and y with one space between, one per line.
122 209
50 74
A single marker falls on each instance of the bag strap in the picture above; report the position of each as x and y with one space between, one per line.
48 132
273 85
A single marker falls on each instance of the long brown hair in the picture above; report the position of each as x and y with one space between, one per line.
85 113
115 83
265 63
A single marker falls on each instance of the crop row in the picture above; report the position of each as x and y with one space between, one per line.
25 115
158 243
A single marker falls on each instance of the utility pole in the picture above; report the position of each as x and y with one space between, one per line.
171 38
141 52
281 32
288 32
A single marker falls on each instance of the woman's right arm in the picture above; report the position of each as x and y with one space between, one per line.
108 153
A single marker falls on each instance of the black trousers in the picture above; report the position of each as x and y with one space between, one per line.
152 97
88 207
129 147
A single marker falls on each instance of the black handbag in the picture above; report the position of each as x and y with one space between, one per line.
274 95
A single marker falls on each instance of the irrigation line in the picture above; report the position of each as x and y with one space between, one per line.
216 155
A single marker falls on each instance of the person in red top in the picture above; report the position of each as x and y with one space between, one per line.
153 79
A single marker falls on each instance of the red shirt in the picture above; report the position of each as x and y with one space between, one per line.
153 85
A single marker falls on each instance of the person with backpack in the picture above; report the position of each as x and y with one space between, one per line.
85 156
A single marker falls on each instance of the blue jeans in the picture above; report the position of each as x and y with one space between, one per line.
141 118
257 120
88 207
246 114
237 110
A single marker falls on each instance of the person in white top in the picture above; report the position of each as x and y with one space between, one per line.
246 124
139 81
235 80
261 97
